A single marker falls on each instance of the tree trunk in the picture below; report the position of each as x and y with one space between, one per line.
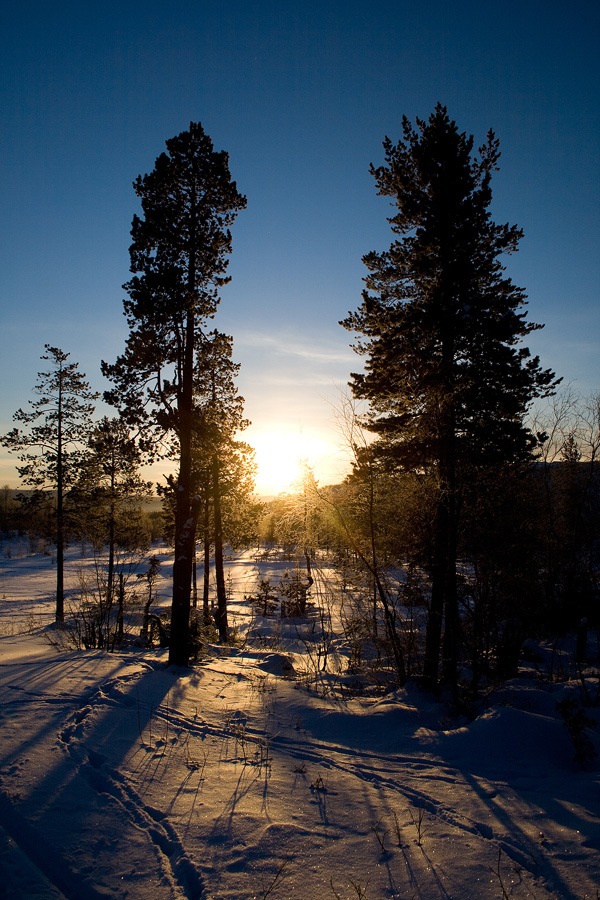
121 607
451 620
221 616
194 581
206 579
144 634
60 563
60 524
433 634
444 599
110 575
179 649
182 575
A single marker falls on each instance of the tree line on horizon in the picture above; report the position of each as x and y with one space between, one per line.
447 469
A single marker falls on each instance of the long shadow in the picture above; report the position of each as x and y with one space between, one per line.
499 823
518 844
36 683
60 785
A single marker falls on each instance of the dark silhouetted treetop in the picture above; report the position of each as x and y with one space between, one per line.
440 321
57 424
179 257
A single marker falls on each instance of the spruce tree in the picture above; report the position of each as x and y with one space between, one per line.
179 261
440 327
52 446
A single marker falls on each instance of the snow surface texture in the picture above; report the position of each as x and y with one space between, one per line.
121 778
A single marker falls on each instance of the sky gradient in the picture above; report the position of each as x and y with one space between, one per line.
301 96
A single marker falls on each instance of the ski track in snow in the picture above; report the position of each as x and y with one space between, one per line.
412 779
120 779
175 870
407 778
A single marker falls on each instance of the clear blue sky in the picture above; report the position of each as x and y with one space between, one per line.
301 95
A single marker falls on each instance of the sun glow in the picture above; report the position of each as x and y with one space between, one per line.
280 457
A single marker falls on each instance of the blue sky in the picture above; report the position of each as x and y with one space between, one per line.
301 95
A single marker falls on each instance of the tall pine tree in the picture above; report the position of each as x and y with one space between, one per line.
178 260
440 327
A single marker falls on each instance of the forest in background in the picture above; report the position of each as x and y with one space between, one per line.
465 525
528 556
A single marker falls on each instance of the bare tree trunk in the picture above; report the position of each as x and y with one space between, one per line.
433 634
221 616
60 524
452 623
444 598
119 634
182 580
179 644
110 575
206 579
194 581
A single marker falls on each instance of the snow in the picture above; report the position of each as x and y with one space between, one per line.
247 776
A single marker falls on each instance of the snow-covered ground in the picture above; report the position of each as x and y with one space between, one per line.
121 778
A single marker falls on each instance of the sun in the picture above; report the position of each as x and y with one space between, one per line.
280 457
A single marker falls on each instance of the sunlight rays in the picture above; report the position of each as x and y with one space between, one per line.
281 455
